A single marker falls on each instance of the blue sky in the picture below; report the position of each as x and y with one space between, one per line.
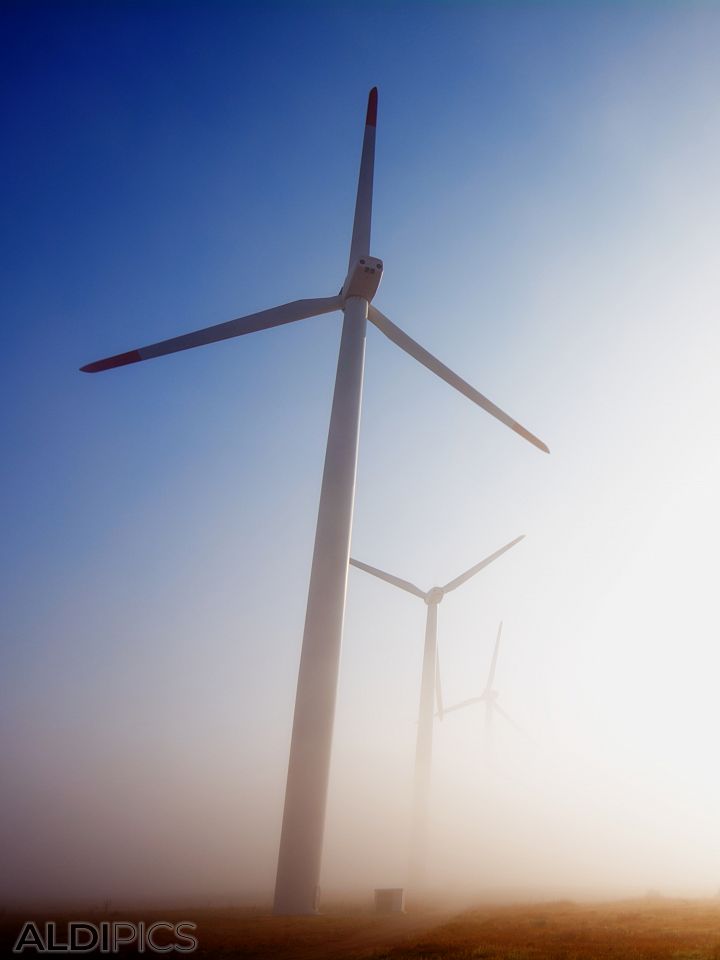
545 203
170 168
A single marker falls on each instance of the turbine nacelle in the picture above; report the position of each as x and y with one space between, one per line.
434 595
363 279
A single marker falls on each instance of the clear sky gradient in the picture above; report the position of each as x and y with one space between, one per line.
547 209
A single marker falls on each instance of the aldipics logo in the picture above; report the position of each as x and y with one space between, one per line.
109 936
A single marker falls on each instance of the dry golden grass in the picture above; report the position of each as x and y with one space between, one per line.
681 930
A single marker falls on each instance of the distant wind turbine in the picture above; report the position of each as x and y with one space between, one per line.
298 872
430 692
489 697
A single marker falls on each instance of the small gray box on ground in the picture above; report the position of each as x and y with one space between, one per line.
390 900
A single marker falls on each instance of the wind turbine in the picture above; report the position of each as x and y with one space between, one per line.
430 691
298 872
489 697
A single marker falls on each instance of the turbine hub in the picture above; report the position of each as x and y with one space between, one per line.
434 596
363 279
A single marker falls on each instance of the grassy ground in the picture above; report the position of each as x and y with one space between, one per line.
681 930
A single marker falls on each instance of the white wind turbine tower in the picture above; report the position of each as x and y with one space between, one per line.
298 872
430 693
489 697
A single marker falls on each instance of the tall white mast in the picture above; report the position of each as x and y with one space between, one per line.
298 871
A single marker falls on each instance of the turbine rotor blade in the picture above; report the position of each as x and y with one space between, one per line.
275 317
493 665
503 713
406 343
360 244
463 703
389 578
464 577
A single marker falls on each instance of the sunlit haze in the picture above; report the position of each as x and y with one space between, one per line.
547 208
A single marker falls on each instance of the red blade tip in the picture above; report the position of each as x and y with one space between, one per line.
371 119
119 360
